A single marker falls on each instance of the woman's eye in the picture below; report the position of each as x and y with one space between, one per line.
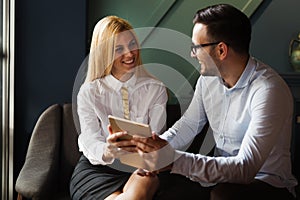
132 44
119 49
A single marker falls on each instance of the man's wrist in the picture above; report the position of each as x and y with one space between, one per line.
167 168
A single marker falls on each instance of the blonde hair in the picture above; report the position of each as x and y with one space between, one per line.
102 52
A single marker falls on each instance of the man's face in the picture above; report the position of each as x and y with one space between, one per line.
205 55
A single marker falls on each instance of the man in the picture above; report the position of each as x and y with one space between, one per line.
249 109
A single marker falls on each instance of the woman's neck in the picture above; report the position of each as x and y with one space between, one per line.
123 77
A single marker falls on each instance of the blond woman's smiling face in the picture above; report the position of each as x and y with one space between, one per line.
126 54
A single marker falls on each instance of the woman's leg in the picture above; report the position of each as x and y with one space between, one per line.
137 187
91 182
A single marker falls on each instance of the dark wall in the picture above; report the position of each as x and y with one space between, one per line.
275 23
50 46
51 43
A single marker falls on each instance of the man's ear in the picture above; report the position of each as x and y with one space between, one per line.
222 50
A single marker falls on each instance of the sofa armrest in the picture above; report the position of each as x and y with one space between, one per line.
38 175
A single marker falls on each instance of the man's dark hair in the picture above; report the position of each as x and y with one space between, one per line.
227 24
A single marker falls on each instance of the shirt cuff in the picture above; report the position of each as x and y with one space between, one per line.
186 166
181 164
106 160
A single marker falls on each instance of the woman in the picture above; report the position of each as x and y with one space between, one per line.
114 64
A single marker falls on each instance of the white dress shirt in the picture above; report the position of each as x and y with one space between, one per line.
102 97
251 124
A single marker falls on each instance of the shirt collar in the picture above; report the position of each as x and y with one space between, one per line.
247 74
117 85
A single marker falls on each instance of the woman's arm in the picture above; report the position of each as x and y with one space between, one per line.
157 110
91 140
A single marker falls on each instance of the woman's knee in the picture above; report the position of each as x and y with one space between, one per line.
143 187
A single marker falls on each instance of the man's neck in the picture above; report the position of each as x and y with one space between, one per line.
233 70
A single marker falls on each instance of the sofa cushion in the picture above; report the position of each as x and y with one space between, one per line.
69 148
42 158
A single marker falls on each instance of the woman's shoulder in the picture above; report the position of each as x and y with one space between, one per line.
91 87
150 86
87 86
149 81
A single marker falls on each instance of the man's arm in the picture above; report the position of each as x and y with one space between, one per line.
268 120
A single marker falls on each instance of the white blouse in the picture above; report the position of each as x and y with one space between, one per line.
102 97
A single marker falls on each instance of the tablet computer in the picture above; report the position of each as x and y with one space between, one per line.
133 128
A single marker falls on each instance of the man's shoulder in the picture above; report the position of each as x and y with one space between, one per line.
266 76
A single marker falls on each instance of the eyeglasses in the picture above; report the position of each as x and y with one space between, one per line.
195 47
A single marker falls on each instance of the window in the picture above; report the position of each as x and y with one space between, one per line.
6 96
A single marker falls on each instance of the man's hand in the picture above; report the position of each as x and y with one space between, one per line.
157 153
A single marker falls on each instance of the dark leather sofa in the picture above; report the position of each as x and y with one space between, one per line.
53 153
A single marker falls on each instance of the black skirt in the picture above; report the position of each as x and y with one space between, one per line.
97 181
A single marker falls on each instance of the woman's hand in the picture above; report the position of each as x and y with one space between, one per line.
144 172
115 147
